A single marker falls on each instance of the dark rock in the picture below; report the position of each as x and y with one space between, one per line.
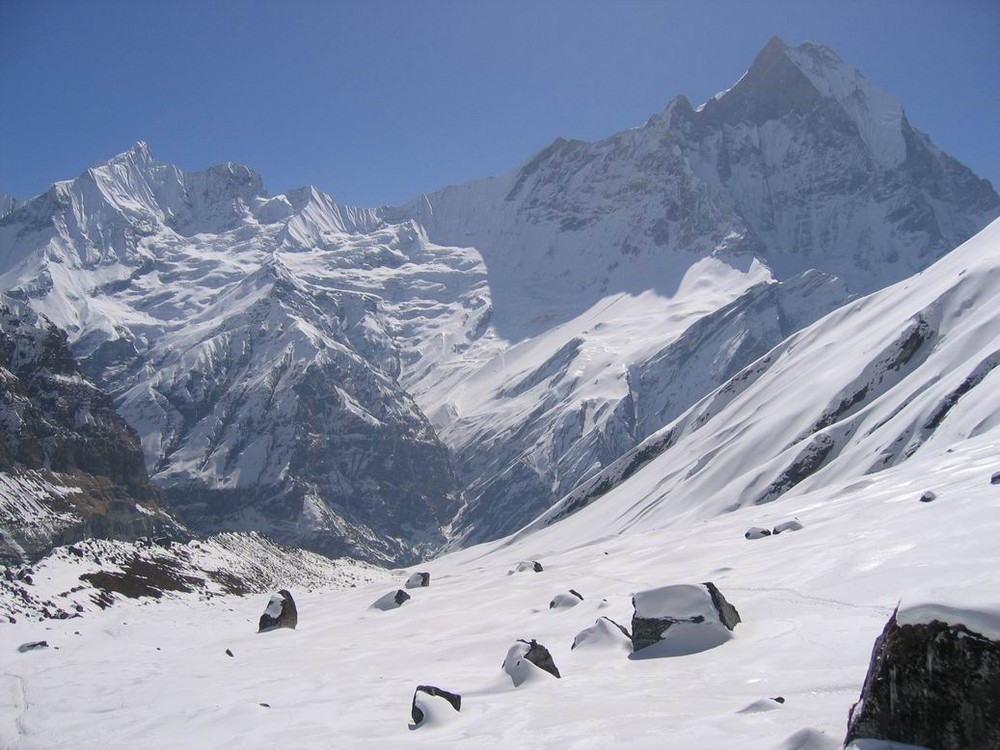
928 497
280 613
32 646
264 705
792 525
930 684
417 714
995 479
755 532
657 610
228 652
418 580
778 699
392 600
538 655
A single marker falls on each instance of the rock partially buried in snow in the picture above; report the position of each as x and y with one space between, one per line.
756 532
392 600
426 699
934 678
418 580
692 616
32 646
566 599
605 634
762 705
928 497
279 613
793 525
526 566
527 658
995 479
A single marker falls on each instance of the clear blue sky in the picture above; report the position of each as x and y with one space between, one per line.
376 101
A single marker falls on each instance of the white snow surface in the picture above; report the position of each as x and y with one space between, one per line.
681 601
812 604
977 611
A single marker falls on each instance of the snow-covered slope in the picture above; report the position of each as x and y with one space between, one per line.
601 255
911 371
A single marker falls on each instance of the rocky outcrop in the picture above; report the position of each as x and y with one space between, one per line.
418 580
279 613
392 600
70 466
931 683
524 657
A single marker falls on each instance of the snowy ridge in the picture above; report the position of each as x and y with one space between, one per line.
904 372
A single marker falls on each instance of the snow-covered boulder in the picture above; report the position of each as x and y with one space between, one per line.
928 497
756 532
526 566
418 580
605 634
934 677
691 616
279 613
429 703
793 525
32 646
392 600
566 599
526 659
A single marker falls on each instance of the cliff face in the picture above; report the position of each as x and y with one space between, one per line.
71 467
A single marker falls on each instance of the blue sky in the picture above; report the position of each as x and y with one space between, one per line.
375 102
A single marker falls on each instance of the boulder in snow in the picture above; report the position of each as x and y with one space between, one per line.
566 599
526 566
934 679
525 658
756 532
793 525
32 646
995 479
279 613
418 580
606 634
691 617
425 702
392 600
928 497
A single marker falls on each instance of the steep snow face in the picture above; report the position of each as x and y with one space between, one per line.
904 373
7 204
252 343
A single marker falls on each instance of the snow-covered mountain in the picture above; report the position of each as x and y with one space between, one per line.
240 338
7 204
603 256
338 376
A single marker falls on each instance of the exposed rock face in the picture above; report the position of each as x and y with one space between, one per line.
280 613
930 684
418 580
417 712
71 466
657 610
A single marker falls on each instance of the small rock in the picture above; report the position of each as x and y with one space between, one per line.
995 479
928 497
778 699
528 651
756 532
392 600
525 566
604 633
279 613
566 599
264 705
793 525
417 712
228 652
418 580
32 646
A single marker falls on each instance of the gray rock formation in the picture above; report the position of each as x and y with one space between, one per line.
279 613
418 580
930 684
392 600
658 610
532 652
